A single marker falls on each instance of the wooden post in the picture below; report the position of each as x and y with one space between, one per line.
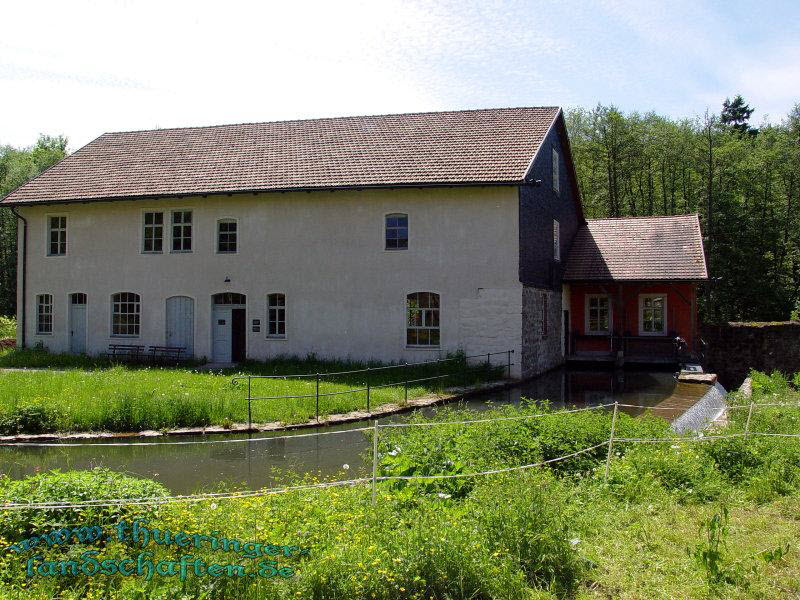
749 416
611 439
374 459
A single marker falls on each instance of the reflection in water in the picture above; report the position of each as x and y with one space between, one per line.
189 468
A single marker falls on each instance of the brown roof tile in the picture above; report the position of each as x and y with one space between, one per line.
450 148
638 249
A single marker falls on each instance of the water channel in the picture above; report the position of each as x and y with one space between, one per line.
185 468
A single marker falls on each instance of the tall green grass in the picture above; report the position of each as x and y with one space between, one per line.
124 399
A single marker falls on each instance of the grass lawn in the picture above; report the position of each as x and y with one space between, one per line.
552 533
102 398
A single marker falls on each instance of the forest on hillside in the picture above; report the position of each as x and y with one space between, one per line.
743 180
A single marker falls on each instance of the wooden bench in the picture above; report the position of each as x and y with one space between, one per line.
130 352
164 354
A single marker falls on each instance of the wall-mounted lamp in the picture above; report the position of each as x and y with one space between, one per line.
227 280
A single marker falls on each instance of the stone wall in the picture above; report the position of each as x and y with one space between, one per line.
540 352
735 348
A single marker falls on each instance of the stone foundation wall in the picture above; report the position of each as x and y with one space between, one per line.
733 349
540 352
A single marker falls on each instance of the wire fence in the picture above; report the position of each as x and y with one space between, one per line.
368 387
375 478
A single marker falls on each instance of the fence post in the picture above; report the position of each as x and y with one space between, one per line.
611 438
438 375
509 364
405 383
317 409
249 404
749 415
374 459
367 389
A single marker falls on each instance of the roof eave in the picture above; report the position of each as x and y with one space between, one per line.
501 183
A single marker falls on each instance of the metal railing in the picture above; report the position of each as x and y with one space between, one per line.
368 387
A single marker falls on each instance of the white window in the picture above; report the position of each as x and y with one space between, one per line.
153 232
276 315
556 176
422 319
397 232
598 314
226 236
182 231
44 314
652 314
125 314
556 240
57 236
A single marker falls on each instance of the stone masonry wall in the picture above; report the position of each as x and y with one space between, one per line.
540 353
733 349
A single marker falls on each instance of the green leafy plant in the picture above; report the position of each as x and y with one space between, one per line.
709 553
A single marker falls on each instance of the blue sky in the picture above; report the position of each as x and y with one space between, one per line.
82 68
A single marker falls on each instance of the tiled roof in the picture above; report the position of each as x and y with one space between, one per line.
638 249
450 148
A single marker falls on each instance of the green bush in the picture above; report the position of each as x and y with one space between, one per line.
680 470
468 448
38 357
8 327
29 419
57 486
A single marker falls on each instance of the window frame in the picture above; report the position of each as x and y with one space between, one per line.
556 168
586 312
218 233
40 313
172 226
164 226
278 308
544 315
48 231
138 324
556 240
386 231
665 329
437 328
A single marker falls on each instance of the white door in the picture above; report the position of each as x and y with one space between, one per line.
221 334
77 324
180 323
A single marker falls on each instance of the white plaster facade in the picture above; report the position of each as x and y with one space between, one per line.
345 294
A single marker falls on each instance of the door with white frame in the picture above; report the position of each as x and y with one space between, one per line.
227 341
77 323
180 324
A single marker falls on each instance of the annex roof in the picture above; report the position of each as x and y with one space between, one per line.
470 147
638 249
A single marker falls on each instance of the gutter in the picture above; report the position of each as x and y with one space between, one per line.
24 271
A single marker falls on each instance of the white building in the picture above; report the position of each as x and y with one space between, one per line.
396 237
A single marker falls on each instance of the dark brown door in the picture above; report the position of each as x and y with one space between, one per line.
238 333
